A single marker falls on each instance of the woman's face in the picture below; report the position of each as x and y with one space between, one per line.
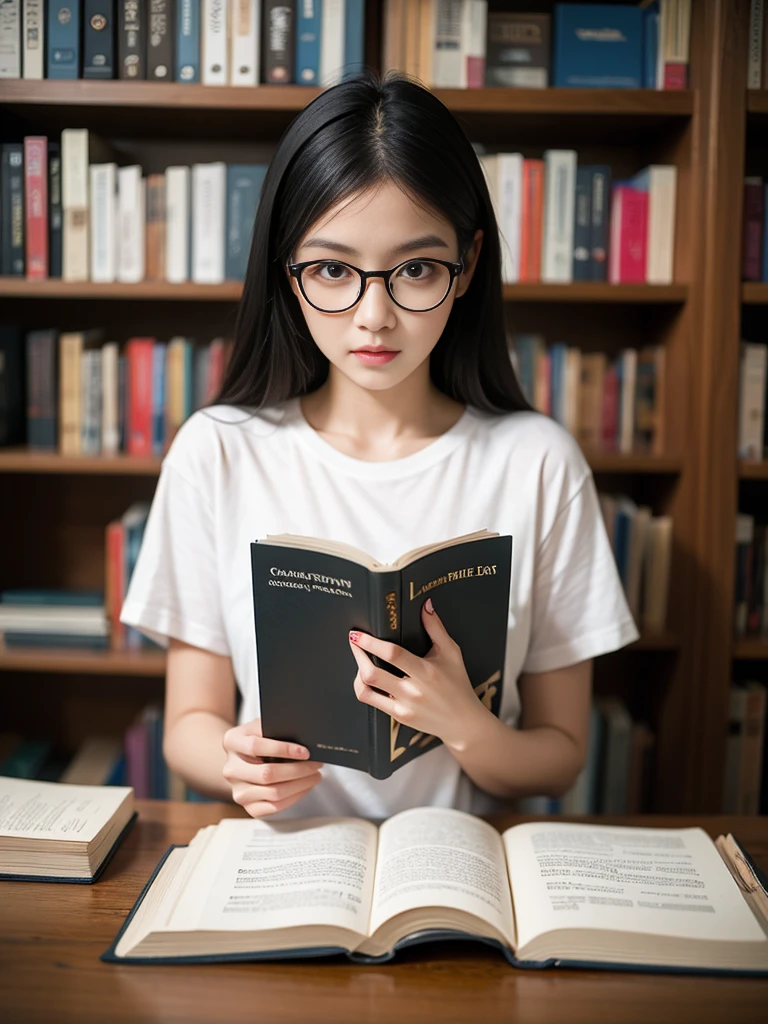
377 231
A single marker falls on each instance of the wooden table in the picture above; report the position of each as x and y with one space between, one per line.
51 937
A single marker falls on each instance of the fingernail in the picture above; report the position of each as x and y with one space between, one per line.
300 752
354 636
429 606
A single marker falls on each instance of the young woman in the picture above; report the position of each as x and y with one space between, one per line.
370 398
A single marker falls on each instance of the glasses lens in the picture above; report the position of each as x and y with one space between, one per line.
420 284
330 286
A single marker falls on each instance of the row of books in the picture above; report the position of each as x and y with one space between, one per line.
754 256
753 400
607 404
216 42
560 221
78 394
751 577
54 618
757 52
122 543
68 209
461 44
618 775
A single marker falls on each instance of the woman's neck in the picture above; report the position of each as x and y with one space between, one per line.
379 425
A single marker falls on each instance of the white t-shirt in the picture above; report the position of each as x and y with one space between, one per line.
232 476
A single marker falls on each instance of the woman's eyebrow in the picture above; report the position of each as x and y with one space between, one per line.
423 242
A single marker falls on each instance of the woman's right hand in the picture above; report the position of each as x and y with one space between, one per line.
265 787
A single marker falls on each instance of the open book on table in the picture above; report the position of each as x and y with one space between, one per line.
544 893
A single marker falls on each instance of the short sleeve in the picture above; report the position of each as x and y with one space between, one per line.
579 609
174 590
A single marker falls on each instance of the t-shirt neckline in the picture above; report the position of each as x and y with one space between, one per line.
391 468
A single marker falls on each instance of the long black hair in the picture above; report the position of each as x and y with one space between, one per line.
355 135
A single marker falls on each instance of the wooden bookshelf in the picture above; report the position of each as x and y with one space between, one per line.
750 648
680 679
753 470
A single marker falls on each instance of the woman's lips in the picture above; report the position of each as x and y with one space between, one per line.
373 358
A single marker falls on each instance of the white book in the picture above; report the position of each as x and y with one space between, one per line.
627 399
474 31
208 222
74 203
755 44
110 430
510 184
215 35
753 366
177 224
332 42
131 227
10 38
662 202
90 425
244 61
103 216
34 38
447 55
559 202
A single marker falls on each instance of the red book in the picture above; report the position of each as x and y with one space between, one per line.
36 206
115 579
532 220
139 355
629 235
752 232
675 75
610 419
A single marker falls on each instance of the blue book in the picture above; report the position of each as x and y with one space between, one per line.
650 44
26 760
598 46
244 183
98 39
582 225
558 355
116 776
158 397
309 18
187 41
53 598
75 641
134 521
63 40
527 347
189 378
764 273
354 37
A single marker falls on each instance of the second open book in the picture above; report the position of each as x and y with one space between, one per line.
546 893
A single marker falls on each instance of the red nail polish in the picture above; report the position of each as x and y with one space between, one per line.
354 636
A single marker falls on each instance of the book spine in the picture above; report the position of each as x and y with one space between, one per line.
155 229
74 179
582 224
12 210
386 622
187 41
139 352
560 185
63 39
160 39
650 47
208 217
308 42
109 413
34 39
36 206
41 389
70 347
98 39
765 234
103 209
752 387
755 51
215 33
752 229
10 39
54 210
474 17
158 398
131 35
601 190
177 220
244 57
278 49
629 237
131 225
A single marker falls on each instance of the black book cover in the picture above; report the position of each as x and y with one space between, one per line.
98 38
582 225
160 51
12 212
601 218
54 210
278 42
131 39
12 405
42 389
305 604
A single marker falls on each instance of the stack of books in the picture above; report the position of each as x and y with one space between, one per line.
612 405
754 256
561 222
53 618
216 42
75 211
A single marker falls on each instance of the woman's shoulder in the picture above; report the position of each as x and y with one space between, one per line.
535 438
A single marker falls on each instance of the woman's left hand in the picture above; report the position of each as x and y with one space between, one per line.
435 695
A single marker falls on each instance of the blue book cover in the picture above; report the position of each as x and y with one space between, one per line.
116 776
621 541
558 355
98 39
582 225
309 18
244 183
189 378
601 218
53 597
527 346
354 37
764 274
63 40
158 398
187 41
74 641
598 46
650 44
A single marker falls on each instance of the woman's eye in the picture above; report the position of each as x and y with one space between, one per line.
417 271
335 271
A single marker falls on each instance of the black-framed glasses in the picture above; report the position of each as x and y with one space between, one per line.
418 286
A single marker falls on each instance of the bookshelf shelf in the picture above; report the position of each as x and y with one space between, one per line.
755 293
751 648
229 291
753 470
757 101
114 663
657 642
